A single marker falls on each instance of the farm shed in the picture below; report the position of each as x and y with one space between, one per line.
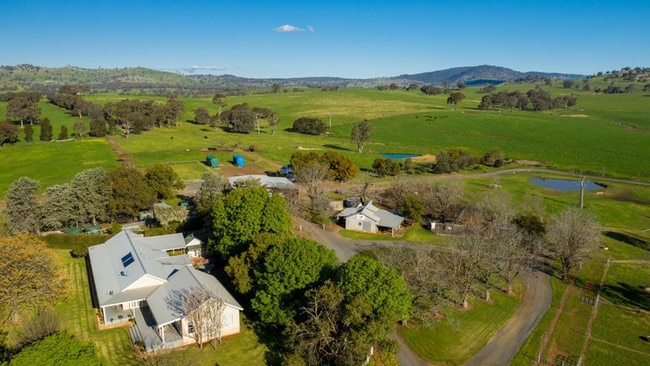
238 160
370 218
212 161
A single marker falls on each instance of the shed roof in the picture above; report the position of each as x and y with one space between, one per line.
381 217
265 180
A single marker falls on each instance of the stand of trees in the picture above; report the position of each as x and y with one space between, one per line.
93 196
535 100
327 313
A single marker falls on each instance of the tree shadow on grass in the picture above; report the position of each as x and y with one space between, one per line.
627 295
335 147
628 239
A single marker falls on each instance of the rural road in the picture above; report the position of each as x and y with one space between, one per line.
505 344
536 300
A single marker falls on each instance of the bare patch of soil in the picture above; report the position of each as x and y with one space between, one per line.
427 158
575 115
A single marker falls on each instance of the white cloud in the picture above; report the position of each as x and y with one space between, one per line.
287 28
211 68
310 28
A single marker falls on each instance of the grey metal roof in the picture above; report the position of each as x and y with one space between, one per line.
265 180
164 242
166 301
167 275
112 275
381 217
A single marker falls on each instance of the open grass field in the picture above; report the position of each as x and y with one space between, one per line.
455 339
603 134
54 162
114 345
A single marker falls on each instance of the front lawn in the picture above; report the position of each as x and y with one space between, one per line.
114 345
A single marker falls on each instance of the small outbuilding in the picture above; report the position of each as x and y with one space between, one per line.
238 160
370 218
212 161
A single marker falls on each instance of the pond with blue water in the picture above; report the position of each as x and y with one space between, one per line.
399 156
565 184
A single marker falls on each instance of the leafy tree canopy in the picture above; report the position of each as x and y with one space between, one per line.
58 349
30 276
22 209
383 288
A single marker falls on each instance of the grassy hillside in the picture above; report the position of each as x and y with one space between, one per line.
603 134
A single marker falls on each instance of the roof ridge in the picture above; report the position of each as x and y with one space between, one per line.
144 270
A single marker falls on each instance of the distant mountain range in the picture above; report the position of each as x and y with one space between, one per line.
21 77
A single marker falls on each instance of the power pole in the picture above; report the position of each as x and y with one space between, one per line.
582 192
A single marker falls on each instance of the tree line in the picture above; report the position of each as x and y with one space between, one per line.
535 100
92 196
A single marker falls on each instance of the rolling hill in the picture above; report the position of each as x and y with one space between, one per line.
30 77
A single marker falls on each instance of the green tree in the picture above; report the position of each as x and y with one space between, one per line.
24 109
455 98
98 127
361 134
46 130
130 192
23 211
91 192
29 133
210 192
384 167
63 135
288 266
383 288
275 218
340 167
30 276
80 129
58 349
162 179
309 126
220 101
201 116
238 218
58 209
413 208
8 133
240 118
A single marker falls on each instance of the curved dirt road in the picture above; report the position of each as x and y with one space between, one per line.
536 300
504 345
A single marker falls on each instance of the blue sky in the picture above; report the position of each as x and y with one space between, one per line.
358 39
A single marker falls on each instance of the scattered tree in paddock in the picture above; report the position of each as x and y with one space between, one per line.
8 133
63 135
46 130
220 101
361 133
455 98
431 90
201 116
572 236
309 126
